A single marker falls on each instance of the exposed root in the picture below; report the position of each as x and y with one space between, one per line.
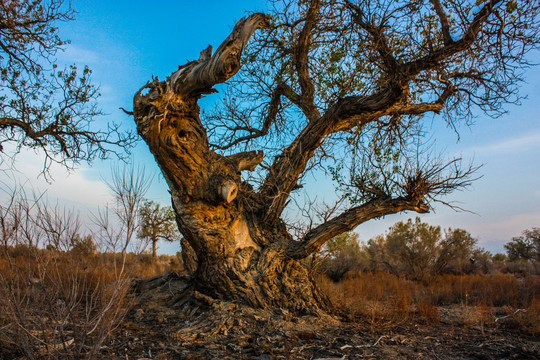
193 324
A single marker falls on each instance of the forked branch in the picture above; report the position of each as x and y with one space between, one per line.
415 190
349 220
352 111
434 58
445 26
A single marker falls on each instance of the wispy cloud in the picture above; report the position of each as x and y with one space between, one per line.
75 54
76 188
494 233
517 144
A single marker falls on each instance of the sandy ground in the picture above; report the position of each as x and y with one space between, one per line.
230 331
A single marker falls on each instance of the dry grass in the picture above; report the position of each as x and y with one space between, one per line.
492 290
381 298
63 305
427 312
385 300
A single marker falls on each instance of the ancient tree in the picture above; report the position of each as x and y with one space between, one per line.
336 85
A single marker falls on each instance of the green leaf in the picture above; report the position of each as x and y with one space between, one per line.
511 6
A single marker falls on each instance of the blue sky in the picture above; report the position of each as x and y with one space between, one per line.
126 42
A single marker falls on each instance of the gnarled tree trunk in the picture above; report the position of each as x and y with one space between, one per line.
232 254
235 242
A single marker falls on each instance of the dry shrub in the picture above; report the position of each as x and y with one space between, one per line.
57 306
386 300
58 299
530 318
493 290
64 304
428 312
522 318
481 316
141 266
381 298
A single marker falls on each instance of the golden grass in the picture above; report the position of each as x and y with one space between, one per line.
48 298
385 300
51 301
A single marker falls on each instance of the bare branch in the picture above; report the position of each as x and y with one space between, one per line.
434 58
445 26
346 114
349 220
41 106
302 64
272 112
379 39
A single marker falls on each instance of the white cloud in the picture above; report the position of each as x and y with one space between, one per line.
517 144
75 54
76 188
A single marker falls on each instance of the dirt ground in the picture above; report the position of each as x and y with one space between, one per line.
224 330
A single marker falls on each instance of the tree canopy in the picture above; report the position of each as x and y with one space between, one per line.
43 106
157 223
347 85
525 247
419 250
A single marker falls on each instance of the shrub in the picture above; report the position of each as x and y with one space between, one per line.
385 300
83 246
56 305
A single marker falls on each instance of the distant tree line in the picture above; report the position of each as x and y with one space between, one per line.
130 224
418 251
154 222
